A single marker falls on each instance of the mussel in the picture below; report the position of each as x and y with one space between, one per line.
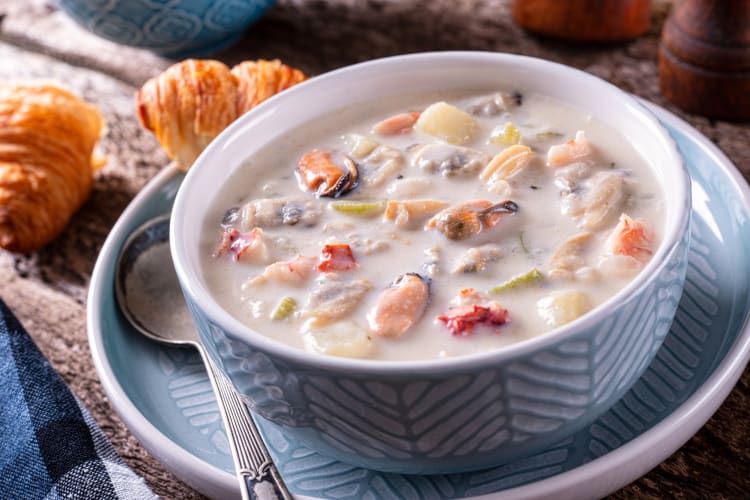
330 174
463 221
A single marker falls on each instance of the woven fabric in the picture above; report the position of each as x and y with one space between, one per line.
51 446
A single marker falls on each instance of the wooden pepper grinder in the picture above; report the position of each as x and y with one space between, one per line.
584 20
704 58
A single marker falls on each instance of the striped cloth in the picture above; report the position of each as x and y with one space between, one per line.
50 447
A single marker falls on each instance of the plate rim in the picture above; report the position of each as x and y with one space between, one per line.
687 418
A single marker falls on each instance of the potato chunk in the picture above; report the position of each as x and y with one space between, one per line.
344 338
448 123
563 307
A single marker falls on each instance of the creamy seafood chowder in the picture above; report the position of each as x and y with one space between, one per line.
425 228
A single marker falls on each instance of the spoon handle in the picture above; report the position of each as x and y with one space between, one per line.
259 479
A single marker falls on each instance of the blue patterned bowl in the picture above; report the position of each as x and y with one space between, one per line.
445 415
175 28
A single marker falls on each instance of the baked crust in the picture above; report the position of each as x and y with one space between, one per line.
191 102
47 139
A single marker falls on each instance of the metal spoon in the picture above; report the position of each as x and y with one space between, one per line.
149 296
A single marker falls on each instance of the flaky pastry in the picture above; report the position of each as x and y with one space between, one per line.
191 102
47 139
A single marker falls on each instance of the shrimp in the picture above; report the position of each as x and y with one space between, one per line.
293 272
470 309
631 237
251 246
396 124
575 150
336 257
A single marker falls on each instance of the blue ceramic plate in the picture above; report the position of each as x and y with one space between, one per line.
164 397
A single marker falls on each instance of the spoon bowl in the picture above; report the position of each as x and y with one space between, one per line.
149 296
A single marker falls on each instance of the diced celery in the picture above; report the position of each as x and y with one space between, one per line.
283 309
533 277
359 208
507 135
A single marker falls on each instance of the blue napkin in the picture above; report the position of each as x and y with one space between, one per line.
50 447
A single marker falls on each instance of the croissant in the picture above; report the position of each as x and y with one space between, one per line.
47 138
191 102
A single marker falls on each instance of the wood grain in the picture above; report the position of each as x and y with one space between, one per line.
47 289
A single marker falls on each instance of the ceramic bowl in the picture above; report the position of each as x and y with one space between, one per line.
445 415
177 28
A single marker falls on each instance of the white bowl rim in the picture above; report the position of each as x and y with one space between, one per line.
200 295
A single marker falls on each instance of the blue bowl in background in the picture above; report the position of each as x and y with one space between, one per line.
181 28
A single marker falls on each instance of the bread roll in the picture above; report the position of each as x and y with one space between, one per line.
191 102
47 139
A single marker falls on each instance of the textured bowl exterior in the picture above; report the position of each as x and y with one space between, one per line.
466 419
171 28
448 415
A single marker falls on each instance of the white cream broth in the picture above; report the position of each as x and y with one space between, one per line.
518 242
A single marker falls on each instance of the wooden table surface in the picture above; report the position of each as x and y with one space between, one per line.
47 289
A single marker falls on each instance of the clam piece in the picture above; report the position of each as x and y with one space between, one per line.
400 306
507 164
409 213
463 221
381 164
327 173
495 104
448 160
272 212
578 149
409 187
431 267
604 200
475 259
568 257
334 298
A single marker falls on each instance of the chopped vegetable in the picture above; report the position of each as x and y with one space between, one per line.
359 208
548 135
359 145
532 277
344 338
507 135
283 309
337 257
448 123
563 307
461 320
523 244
